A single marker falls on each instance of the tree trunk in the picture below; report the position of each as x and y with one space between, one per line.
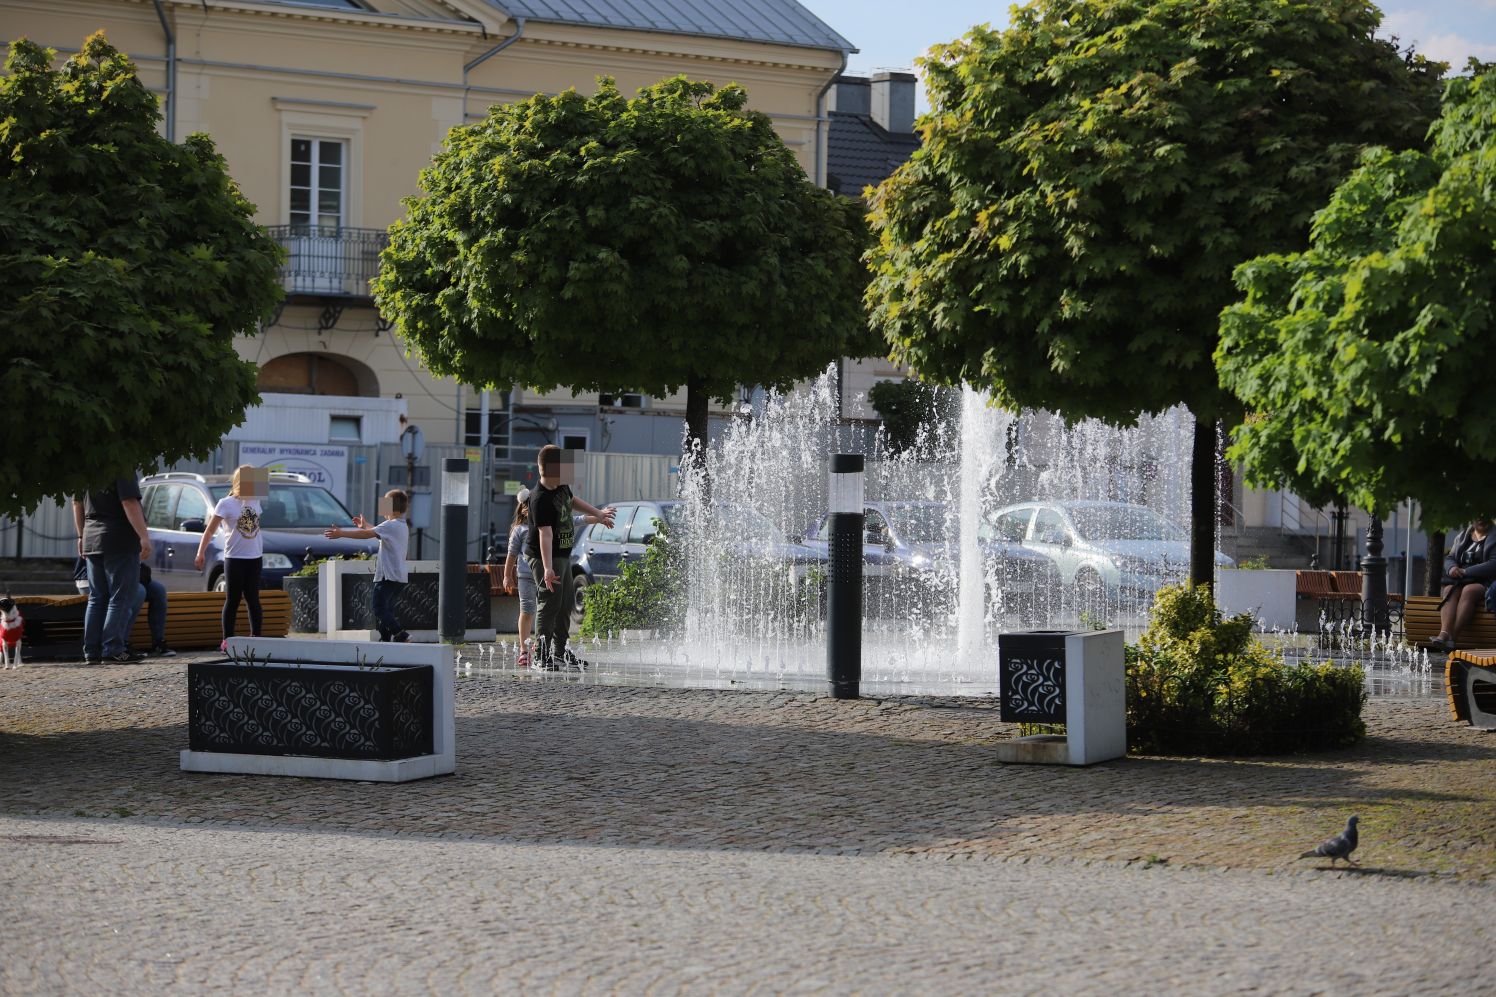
1433 569
1203 505
696 426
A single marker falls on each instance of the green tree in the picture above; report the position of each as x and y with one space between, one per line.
907 407
1363 360
127 265
1091 175
647 244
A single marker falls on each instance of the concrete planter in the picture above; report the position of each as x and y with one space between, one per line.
323 709
346 605
1059 677
1267 594
304 592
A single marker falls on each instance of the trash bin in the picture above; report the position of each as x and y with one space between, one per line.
1074 678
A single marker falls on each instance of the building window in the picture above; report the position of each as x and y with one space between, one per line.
498 425
346 429
575 439
626 400
317 181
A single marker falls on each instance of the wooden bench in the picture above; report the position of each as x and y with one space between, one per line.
194 619
495 576
1421 625
1336 586
1470 681
54 624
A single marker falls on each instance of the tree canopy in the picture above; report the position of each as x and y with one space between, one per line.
1364 360
128 264
626 244
1091 175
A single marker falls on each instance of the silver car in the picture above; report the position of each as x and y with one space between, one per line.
1110 550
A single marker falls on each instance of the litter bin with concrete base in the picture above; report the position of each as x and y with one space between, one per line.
1062 677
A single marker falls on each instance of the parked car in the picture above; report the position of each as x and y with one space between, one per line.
1110 550
911 558
178 505
602 552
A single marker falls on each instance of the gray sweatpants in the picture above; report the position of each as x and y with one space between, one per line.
553 620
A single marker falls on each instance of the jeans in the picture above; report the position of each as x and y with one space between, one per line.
154 593
386 595
553 621
113 580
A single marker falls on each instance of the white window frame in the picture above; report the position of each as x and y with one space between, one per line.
327 120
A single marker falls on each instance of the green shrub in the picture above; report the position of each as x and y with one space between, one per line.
648 595
1201 684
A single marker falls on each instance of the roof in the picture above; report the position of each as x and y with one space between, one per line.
771 22
861 153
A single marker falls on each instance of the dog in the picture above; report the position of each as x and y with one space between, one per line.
12 629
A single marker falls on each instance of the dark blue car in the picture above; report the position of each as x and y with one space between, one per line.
178 505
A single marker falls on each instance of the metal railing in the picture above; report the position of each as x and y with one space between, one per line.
329 261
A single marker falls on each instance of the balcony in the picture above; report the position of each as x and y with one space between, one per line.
328 262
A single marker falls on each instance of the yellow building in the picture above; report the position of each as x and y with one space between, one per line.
327 110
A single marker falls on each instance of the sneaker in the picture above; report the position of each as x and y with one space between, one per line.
120 658
162 651
90 661
403 637
570 662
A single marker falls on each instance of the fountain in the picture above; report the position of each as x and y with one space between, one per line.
752 621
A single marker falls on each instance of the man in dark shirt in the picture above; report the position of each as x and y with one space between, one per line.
113 539
548 554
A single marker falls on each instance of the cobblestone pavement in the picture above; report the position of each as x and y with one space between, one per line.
653 840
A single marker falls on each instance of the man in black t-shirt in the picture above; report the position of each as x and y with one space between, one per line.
113 540
548 554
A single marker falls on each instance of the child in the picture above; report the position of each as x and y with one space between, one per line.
548 553
238 513
519 536
390 572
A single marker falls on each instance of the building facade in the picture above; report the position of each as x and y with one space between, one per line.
326 112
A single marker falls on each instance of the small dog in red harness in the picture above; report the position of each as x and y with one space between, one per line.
12 628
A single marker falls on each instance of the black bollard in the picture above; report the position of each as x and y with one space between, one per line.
452 582
844 591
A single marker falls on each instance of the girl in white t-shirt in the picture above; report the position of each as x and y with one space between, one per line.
238 514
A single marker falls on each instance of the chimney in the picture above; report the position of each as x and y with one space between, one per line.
851 95
893 101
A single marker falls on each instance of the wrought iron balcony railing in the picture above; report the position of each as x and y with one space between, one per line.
329 262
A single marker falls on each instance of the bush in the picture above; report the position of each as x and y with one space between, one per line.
1201 684
648 595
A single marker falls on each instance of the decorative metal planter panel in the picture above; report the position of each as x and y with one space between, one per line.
304 595
417 607
1031 676
325 710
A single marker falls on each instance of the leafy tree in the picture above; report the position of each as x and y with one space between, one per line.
127 266
906 407
1091 175
614 244
1364 358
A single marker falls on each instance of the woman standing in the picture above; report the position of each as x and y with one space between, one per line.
238 513
1469 567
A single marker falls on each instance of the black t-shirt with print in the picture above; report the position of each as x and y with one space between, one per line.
106 529
551 507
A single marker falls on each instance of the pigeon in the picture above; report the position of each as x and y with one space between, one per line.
1338 847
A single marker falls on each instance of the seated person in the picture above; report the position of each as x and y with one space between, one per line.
1469 567
152 593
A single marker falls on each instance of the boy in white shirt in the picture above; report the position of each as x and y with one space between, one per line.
390 571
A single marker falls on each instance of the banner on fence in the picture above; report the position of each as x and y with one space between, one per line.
326 465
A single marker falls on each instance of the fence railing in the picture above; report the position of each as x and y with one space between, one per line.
329 261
